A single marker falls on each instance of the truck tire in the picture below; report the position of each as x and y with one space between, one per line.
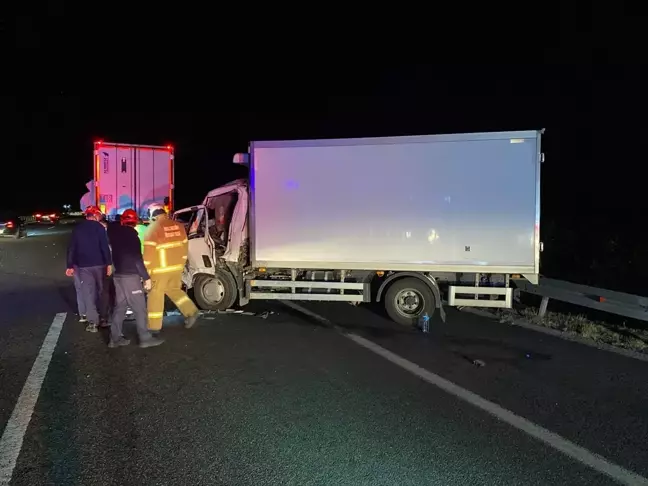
215 292
407 299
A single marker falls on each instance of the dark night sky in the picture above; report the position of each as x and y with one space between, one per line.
593 116
580 74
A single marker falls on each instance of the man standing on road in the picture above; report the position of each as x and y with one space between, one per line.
131 280
165 254
89 256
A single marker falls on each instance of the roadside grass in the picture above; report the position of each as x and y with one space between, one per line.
600 332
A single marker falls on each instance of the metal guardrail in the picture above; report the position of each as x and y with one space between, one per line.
619 303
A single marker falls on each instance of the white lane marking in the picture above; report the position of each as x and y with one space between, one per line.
580 454
14 433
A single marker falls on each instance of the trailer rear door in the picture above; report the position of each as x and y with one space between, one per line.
132 176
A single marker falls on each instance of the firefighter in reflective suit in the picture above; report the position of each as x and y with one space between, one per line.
141 233
165 254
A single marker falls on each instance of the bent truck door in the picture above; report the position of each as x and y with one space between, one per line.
200 257
187 217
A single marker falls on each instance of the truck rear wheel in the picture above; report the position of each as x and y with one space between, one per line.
407 299
215 292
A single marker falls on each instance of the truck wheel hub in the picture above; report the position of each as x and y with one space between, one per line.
214 290
408 300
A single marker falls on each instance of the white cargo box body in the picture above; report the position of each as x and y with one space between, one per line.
132 176
460 203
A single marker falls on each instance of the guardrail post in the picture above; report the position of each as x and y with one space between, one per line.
543 307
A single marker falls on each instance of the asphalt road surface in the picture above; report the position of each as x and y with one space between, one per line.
292 400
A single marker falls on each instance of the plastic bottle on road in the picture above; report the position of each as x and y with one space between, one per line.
424 323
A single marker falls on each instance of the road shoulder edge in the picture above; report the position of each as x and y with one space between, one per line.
524 323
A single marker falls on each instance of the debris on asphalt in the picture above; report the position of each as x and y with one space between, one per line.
478 362
262 315
211 315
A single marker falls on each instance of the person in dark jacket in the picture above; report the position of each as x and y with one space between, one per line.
89 257
131 280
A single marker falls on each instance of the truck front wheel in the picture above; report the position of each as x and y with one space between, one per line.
215 292
407 299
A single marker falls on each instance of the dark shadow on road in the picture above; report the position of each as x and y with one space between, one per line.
344 325
349 318
479 350
86 408
52 428
300 317
29 300
497 346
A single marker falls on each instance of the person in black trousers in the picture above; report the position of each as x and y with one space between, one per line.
131 280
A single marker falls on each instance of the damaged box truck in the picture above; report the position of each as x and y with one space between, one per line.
406 221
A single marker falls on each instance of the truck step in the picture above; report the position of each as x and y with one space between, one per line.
309 290
506 292
255 295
